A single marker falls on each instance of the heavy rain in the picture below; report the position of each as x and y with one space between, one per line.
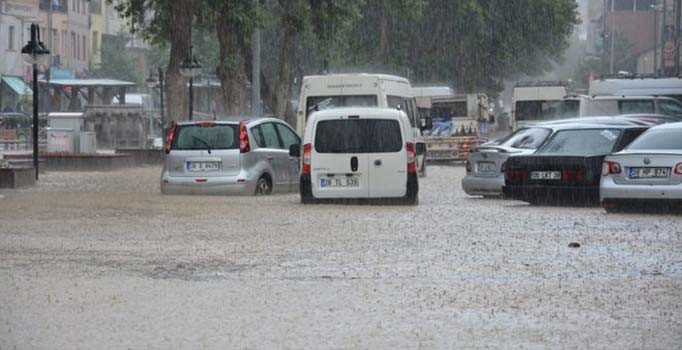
327 174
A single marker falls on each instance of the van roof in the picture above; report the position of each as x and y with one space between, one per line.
362 111
356 75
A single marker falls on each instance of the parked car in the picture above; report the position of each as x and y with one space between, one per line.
567 167
485 165
230 157
647 173
354 153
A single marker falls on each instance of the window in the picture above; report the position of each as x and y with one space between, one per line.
95 44
662 139
84 46
670 107
64 42
581 142
218 136
529 138
636 106
10 42
358 136
266 136
325 102
53 45
546 110
288 136
406 105
74 52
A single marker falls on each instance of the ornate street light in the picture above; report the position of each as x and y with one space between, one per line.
190 68
34 53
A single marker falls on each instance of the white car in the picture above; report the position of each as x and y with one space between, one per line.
647 173
354 153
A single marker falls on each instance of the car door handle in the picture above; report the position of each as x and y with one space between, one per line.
377 162
270 158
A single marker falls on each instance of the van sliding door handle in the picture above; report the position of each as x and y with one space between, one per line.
377 162
271 157
354 164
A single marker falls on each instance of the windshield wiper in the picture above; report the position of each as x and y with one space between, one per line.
208 147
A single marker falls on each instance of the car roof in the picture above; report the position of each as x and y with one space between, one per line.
579 126
363 111
673 126
629 97
232 120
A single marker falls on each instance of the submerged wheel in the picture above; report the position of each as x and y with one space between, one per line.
263 186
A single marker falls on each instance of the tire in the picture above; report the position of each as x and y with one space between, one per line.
412 195
307 191
263 186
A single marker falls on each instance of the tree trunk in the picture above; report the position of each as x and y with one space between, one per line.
232 67
280 92
382 48
180 41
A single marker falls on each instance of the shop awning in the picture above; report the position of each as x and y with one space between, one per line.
18 85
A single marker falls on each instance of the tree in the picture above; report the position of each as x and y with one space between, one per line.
117 61
171 24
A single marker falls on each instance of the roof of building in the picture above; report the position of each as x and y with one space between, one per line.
89 82
17 84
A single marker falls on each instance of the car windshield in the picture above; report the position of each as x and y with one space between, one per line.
319 103
528 138
658 139
581 142
358 136
208 136
546 110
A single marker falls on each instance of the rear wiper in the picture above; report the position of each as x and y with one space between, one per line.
208 147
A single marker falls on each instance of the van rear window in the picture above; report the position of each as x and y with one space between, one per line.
358 136
326 102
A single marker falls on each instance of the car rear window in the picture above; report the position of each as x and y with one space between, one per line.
581 142
529 138
658 139
358 136
213 136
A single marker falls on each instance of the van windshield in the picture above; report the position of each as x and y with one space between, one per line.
358 136
211 136
546 110
326 102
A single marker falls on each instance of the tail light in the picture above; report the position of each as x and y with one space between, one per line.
567 175
307 149
514 174
610 168
678 169
411 158
468 166
171 136
244 145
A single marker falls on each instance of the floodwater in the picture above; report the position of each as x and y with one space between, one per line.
102 260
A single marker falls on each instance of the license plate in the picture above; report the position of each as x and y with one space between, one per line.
328 182
203 166
545 175
486 166
648 173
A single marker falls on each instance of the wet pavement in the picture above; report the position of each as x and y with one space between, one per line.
102 260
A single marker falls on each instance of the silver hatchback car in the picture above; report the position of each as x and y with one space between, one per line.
229 157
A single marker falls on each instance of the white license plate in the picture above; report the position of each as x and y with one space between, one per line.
486 166
545 175
648 173
203 166
347 181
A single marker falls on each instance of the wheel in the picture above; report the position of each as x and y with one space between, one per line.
306 191
263 186
612 207
412 195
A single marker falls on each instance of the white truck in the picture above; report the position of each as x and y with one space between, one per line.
538 101
460 123
319 92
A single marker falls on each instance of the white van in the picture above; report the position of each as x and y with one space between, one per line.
353 153
540 101
320 92
670 87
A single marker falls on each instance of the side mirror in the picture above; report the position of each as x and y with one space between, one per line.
295 150
420 148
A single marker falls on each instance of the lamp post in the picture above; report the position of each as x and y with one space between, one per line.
152 83
34 53
190 68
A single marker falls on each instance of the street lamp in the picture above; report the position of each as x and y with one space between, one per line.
35 53
190 68
152 83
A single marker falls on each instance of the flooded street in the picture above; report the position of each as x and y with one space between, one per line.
103 260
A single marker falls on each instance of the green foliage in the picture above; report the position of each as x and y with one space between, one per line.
117 61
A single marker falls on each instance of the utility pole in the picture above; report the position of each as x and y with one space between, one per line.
256 109
678 12
613 36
